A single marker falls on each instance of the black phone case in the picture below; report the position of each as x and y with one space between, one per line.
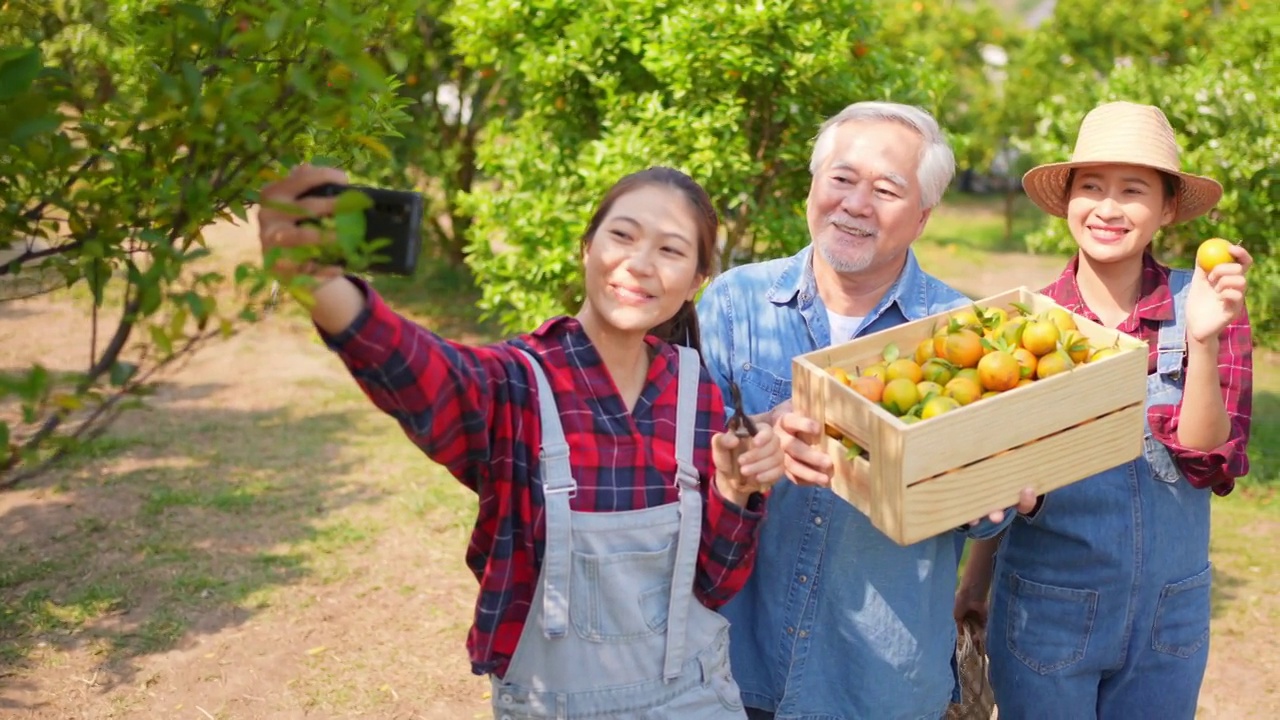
396 215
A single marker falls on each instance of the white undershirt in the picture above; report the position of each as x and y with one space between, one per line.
842 327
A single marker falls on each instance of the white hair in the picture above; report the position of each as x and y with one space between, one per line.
937 161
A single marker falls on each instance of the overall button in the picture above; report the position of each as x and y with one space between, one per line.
803 579
746 366
817 520
506 698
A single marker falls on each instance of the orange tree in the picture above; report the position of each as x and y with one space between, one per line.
1221 101
126 128
730 92
447 102
966 45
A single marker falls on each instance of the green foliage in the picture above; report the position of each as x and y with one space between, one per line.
126 128
447 102
949 39
731 93
1222 104
1085 39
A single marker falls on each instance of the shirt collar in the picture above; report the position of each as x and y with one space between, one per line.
1154 300
909 291
566 333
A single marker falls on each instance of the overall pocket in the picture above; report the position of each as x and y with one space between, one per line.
1181 626
1049 626
622 596
1163 467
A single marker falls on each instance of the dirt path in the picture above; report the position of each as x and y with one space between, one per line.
263 544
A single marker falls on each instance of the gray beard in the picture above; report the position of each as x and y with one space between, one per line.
842 263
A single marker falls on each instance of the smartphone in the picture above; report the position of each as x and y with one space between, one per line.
395 216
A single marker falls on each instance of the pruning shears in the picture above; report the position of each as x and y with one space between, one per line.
740 425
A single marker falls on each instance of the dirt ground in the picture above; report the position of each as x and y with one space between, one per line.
368 622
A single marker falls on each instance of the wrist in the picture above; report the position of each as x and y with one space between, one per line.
730 493
1207 348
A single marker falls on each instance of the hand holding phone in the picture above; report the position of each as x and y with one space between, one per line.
395 218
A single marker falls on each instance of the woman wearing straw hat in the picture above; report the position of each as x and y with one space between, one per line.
1101 595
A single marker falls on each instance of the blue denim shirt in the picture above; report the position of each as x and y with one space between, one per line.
837 622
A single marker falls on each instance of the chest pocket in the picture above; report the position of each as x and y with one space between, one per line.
761 388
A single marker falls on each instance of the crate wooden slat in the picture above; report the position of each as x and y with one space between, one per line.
929 477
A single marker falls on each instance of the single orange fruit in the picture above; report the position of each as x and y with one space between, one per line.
1103 353
900 396
924 351
937 370
1212 253
1053 363
928 388
1027 360
999 371
1060 317
1076 345
963 390
877 371
904 368
964 348
869 387
1040 337
937 406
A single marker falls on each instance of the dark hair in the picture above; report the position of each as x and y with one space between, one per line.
682 328
1169 183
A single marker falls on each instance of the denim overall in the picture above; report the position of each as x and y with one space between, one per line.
1101 603
614 630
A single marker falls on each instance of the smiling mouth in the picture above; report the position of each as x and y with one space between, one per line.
631 295
858 232
1107 232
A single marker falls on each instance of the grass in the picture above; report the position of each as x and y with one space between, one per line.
1264 433
977 224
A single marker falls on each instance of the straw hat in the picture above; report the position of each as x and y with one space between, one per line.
1122 132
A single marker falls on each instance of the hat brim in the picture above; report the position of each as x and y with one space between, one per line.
1046 185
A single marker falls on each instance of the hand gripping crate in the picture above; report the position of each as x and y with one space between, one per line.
917 480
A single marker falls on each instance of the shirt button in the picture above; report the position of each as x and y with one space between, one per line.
817 520
791 631
804 633
804 579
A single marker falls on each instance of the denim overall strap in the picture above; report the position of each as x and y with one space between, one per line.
558 486
690 512
1171 347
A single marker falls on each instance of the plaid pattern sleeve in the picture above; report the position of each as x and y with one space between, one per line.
474 410
1218 468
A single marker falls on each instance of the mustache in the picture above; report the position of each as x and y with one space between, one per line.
849 223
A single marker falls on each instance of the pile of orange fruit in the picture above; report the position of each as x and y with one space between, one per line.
978 353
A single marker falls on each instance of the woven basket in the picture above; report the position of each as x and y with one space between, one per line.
977 701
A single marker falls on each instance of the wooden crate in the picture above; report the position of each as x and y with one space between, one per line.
918 480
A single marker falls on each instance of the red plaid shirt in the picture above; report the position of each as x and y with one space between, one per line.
474 411
1219 467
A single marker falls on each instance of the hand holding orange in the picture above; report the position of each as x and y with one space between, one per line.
1212 253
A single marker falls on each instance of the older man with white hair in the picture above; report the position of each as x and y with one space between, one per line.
838 622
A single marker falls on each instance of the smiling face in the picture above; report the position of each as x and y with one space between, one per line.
641 263
864 208
1115 210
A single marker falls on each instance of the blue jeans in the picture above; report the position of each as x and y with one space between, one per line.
1101 601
